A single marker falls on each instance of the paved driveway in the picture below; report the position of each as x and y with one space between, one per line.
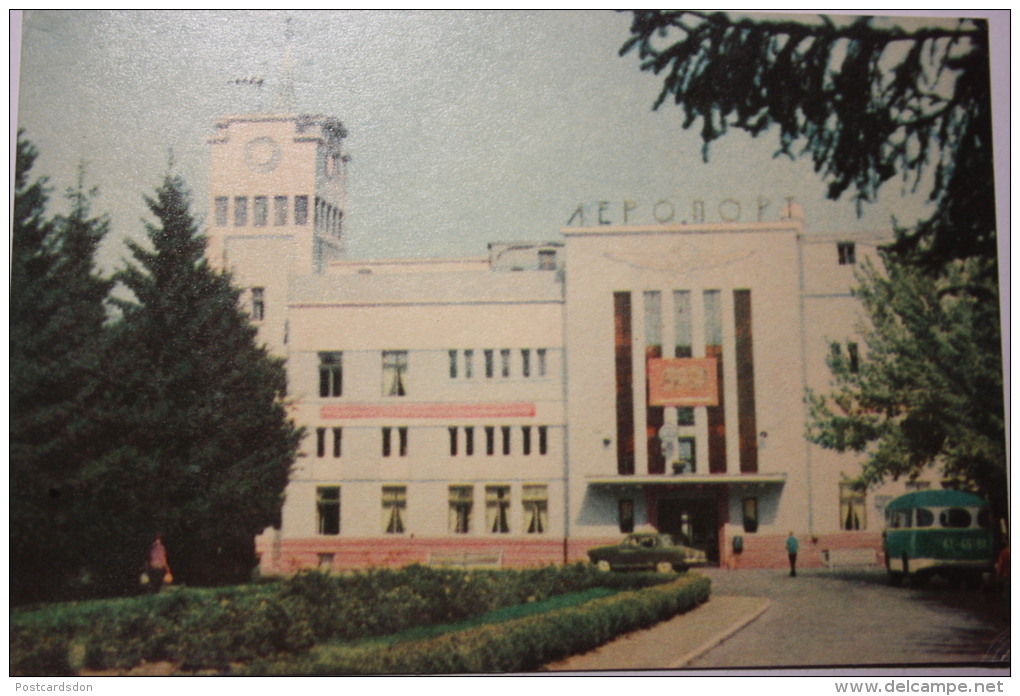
823 618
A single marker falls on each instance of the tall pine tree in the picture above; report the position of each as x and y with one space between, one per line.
57 330
201 442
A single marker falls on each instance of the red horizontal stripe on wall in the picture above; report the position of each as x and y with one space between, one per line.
513 409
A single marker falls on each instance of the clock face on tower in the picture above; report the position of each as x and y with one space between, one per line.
262 154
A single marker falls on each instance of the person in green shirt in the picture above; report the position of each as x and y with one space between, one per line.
791 549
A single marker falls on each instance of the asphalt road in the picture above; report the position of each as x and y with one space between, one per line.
854 617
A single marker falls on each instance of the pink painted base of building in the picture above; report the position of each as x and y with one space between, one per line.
769 551
291 555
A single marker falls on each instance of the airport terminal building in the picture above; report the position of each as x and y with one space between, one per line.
525 405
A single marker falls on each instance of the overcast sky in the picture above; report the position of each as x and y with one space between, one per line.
465 128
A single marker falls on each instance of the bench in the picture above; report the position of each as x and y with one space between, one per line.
850 557
466 559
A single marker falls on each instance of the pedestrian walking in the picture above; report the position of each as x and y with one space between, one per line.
791 550
157 567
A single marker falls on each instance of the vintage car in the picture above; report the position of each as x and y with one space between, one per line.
646 551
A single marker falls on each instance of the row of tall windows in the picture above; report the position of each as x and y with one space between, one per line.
255 210
532 439
394 373
655 347
498 518
495 439
328 218
502 362
530 363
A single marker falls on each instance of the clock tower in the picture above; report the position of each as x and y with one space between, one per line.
277 189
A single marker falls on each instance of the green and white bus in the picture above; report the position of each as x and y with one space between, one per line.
938 532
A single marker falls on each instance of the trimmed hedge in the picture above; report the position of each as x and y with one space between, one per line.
513 646
215 628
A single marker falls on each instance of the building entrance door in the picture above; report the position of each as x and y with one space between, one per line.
691 522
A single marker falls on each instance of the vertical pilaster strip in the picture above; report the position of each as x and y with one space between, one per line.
746 425
716 414
624 384
653 350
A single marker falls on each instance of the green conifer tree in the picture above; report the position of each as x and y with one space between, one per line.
57 331
201 442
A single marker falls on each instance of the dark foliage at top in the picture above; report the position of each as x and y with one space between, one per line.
866 102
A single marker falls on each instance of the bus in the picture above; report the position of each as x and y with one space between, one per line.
938 532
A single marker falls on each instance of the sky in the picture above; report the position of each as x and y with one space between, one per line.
465 127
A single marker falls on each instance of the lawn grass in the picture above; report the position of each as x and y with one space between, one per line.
571 599
517 638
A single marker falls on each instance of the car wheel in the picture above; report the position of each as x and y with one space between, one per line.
664 567
604 566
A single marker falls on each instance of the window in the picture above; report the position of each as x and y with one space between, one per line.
461 502
497 505
279 211
851 507
525 362
260 211
489 369
327 505
535 498
330 374
394 372
540 356
469 441
925 517
543 439
750 510
394 502
526 439
240 211
221 210
338 435
300 210
546 260
387 442
685 415
685 455
453 364
506 439
320 442
504 356
854 358
626 515
490 440
258 304
468 359
847 253
954 518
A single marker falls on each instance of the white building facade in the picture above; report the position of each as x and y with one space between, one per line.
521 407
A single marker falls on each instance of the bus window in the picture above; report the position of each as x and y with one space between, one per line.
925 517
954 518
898 519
